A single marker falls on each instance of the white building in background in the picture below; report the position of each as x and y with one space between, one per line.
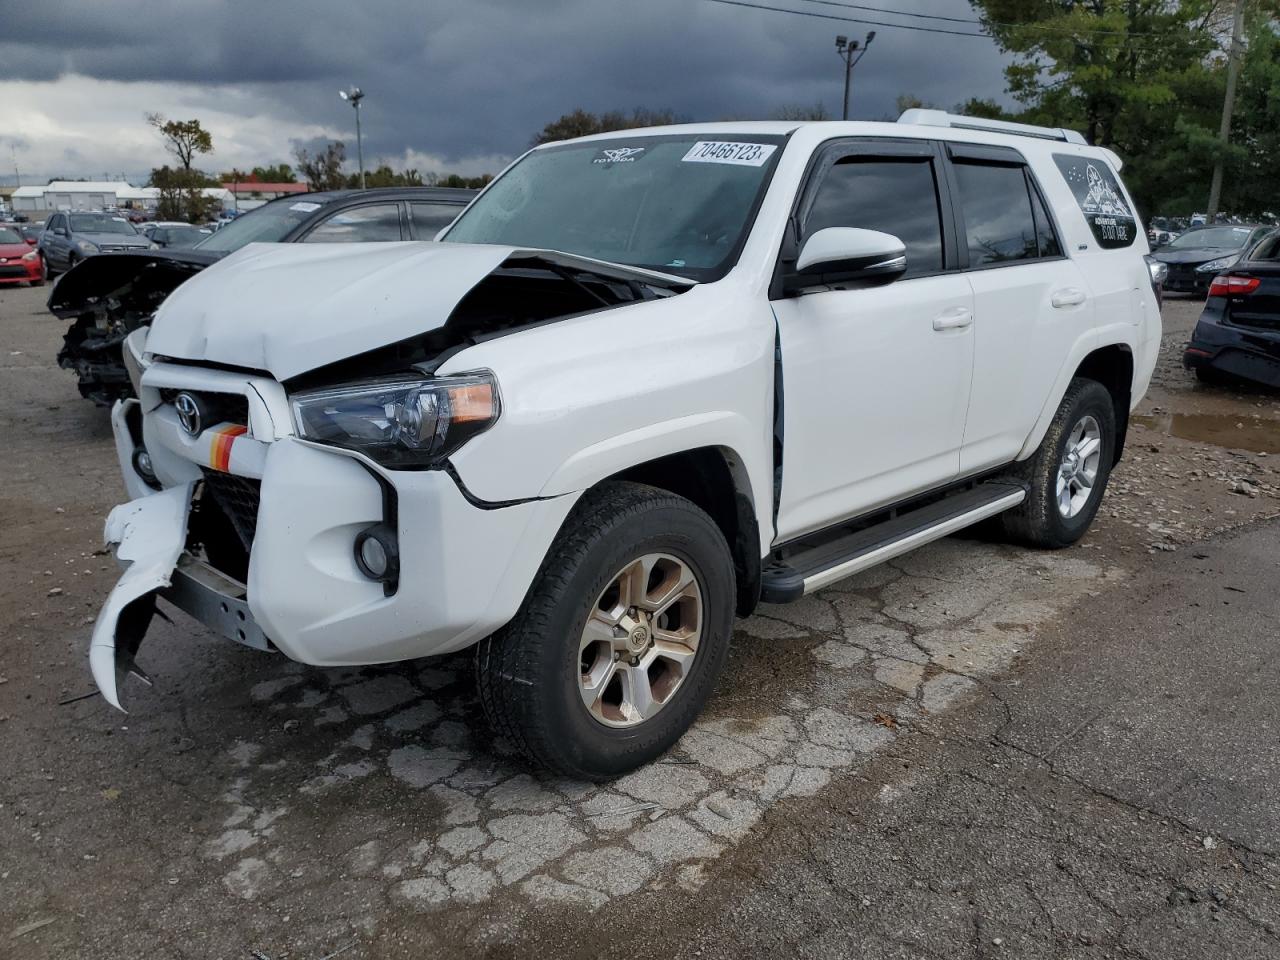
96 195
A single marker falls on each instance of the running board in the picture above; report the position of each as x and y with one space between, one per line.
822 562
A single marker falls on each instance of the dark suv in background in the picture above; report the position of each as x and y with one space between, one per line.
108 297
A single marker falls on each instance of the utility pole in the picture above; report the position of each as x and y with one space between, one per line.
1228 106
846 51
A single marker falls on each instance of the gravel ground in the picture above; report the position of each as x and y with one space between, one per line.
251 804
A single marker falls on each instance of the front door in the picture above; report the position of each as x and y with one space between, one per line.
875 382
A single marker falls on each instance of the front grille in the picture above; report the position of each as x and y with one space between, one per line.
217 407
12 271
237 498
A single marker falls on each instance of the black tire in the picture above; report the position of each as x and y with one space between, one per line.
48 268
1211 377
1037 521
527 672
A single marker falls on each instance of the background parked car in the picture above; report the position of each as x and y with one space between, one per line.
69 238
19 260
1200 254
110 296
1238 334
175 236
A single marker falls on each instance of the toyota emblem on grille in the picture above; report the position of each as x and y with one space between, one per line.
189 414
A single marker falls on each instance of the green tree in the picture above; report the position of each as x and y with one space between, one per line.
181 194
277 173
323 170
580 123
183 138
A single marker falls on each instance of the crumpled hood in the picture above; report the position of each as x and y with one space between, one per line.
289 308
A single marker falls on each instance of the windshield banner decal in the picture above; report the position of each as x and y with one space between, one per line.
619 155
720 151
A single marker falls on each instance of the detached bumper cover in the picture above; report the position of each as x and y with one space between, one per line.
149 535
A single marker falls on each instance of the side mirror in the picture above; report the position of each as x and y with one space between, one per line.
848 256
31 241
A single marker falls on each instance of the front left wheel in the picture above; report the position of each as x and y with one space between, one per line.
621 637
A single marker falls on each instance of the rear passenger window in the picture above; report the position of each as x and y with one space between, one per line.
430 218
1098 193
998 219
376 222
1046 238
894 196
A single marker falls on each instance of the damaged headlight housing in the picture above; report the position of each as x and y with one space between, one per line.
403 423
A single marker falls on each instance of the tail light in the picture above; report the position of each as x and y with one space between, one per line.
1227 286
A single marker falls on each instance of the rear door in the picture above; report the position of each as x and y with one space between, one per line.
1031 302
53 243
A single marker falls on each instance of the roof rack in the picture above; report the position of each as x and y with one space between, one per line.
940 118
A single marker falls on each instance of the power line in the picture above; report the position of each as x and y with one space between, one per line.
828 16
983 23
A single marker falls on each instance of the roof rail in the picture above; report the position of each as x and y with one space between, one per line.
940 118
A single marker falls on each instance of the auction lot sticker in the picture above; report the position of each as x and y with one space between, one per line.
722 151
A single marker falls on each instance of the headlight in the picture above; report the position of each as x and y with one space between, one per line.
1159 270
88 247
31 256
1222 263
400 423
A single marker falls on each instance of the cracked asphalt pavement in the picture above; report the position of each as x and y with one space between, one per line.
975 751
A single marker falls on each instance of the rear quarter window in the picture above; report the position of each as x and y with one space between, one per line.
1098 194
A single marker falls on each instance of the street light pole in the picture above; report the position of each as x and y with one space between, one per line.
353 96
846 51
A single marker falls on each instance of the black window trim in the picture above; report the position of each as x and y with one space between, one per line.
325 214
994 156
831 152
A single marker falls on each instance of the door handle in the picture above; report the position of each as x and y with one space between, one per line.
957 318
1067 297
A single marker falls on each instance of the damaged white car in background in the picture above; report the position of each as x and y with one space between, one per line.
643 382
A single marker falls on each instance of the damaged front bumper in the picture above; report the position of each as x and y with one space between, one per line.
464 566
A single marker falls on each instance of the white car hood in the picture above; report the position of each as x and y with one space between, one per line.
287 308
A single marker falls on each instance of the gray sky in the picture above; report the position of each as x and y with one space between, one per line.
456 87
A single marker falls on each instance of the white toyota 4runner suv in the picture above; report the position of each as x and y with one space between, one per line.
645 381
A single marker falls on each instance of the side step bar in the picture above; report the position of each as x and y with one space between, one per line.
816 562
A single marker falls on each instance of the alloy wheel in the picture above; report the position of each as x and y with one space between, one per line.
640 640
1078 469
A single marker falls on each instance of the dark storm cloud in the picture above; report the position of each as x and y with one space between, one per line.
481 77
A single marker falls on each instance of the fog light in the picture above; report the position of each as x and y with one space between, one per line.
376 554
142 466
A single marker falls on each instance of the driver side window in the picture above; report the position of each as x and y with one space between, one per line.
891 194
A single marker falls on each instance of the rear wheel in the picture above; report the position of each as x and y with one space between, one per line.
1068 474
620 639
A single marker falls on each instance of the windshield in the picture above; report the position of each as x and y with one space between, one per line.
270 223
10 236
1217 238
678 204
97 223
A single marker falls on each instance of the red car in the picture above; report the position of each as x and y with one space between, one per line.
19 261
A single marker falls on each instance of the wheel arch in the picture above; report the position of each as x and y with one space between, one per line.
1112 366
716 480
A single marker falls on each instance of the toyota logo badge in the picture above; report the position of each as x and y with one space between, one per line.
189 414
